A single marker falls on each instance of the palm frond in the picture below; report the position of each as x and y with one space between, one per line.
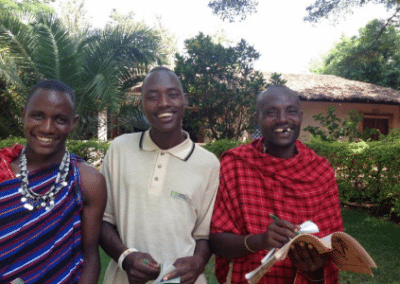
15 43
99 77
112 57
8 69
54 51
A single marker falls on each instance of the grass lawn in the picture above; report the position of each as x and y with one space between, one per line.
379 237
382 241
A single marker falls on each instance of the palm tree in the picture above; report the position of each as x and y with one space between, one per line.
100 65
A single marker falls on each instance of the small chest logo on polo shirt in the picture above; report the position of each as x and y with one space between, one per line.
178 195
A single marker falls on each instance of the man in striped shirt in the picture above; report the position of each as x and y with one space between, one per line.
51 202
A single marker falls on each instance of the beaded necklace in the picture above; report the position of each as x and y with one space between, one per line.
31 199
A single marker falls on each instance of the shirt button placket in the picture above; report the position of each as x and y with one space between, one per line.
158 171
159 163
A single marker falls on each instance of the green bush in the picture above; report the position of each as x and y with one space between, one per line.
11 141
393 136
91 151
332 128
366 172
219 146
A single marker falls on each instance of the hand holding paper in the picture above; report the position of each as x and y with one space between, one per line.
347 254
167 268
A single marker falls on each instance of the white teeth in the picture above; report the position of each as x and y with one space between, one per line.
165 114
43 139
280 130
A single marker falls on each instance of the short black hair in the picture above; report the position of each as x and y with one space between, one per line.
162 69
53 85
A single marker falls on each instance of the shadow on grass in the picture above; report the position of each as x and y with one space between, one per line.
379 237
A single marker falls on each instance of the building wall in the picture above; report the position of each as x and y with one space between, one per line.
391 112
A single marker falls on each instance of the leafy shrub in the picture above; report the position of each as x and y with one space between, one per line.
391 137
91 151
333 128
219 146
11 141
366 172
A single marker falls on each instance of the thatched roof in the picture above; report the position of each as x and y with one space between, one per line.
313 87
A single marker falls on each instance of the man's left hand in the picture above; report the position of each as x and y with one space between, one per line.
306 258
188 268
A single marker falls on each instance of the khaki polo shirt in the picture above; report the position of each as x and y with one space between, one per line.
161 201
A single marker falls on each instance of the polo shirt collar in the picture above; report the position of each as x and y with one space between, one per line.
182 151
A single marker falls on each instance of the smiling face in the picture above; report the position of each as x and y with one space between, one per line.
163 103
48 119
279 116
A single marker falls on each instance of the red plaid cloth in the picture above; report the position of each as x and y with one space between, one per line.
254 184
6 156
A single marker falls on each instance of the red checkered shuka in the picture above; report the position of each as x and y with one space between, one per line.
6 156
254 184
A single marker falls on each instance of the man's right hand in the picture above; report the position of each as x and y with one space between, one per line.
140 267
278 234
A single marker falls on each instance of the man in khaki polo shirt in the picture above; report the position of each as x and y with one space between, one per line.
161 192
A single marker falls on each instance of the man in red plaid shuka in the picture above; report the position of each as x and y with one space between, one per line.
275 174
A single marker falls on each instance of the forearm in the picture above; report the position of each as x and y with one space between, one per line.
91 268
202 251
231 246
111 242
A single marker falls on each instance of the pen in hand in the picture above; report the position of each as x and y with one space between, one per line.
276 219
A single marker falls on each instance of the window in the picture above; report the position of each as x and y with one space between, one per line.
382 124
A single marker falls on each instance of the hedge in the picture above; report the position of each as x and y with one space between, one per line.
11 141
366 172
91 151
220 146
